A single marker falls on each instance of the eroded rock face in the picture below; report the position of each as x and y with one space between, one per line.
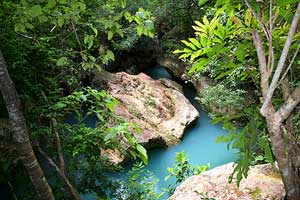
179 68
174 65
157 106
263 183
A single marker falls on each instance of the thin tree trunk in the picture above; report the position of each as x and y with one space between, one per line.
285 147
61 167
72 190
21 135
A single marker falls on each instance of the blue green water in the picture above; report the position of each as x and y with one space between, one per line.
198 142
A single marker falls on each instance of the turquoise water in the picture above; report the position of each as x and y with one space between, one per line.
198 143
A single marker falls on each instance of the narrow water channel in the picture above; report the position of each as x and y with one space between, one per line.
198 142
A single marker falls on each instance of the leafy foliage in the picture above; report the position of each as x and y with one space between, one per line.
182 170
252 143
220 100
142 184
221 48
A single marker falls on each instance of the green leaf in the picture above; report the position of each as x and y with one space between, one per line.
139 30
51 3
89 40
110 35
195 42
60 21
202 2
189 44
35 11
43 19
94 30
123 3
62 61
110 55
59 105
248 17
142 153
110 106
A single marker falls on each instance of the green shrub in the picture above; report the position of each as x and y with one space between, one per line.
220 100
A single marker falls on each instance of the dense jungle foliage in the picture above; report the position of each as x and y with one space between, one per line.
51 50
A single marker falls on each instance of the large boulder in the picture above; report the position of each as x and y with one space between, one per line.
263 183
158 107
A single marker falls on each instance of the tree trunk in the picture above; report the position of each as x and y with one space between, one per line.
21 135
285 153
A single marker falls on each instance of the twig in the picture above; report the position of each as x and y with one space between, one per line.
290 65
282 60
58 145
258 19
76 35
28 37
271 57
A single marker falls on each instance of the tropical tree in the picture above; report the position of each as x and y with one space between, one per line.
21 136
274 77
50 49
223 50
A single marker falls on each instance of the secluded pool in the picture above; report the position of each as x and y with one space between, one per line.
198 142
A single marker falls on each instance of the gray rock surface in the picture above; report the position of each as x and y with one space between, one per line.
263 183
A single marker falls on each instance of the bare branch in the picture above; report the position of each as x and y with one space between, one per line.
58 146
271 57
286 109
62 174
282 60
50 161
267 34
76 35
290 65
262 62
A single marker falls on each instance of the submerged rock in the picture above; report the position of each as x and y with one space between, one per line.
158 107
263 183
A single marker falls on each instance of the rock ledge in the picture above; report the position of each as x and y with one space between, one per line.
263 183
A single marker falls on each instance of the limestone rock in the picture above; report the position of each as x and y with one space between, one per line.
263 183
179 68
176 66
158 107
162 112
171 84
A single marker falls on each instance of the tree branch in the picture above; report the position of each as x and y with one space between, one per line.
281 61
267 34
76 35
262 63
58 146
286 109
290 65
271 57
62 174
